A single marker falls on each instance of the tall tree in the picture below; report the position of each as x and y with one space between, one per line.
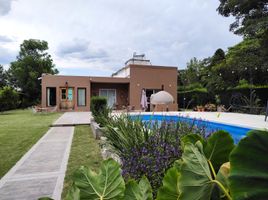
32 61
218 57
251 16
192 74
2 77
248 62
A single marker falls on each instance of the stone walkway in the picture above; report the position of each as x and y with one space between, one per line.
73 118
40 172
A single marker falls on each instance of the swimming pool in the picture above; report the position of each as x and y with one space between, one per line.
237 132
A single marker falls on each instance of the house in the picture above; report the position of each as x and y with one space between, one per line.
123 89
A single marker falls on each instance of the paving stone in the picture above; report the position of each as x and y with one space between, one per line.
73 118
57 134
47 158
28 189
40 172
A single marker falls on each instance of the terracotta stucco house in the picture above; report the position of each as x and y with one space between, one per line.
123 89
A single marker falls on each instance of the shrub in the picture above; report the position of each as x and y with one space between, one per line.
152 158
9 98
97 104
124 133
99 109
103 116
147 148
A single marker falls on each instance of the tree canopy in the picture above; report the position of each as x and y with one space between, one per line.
251 16
245 65
32 61
2 77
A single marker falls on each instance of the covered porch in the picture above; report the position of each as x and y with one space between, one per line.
115 90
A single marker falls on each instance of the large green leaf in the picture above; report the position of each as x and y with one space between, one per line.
249 167
191 138
141 191
107 184
170 189
223 175
222 178
218 148
196 180
73 193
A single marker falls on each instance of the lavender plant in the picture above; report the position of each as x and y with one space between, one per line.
155 155
149 147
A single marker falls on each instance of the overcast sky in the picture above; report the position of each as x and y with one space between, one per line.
96 37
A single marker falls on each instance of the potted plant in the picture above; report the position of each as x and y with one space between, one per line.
200 108
218 103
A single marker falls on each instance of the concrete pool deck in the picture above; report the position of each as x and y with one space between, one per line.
235 119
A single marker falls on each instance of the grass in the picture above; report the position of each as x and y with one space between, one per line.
19 131
84 151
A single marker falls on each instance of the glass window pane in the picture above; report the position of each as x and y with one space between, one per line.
70 94
110 94
81 97
63 93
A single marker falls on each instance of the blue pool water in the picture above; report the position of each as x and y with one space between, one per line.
237 132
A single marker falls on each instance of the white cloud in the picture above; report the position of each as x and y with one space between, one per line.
80 49
101 35
5 6
5 39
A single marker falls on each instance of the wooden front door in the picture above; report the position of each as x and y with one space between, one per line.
67 98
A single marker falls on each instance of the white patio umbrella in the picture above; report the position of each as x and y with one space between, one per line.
161 97
144 104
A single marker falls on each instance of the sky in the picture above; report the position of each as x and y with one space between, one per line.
96 37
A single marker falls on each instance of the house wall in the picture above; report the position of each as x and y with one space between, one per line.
60 81
152 77
122 95
128 89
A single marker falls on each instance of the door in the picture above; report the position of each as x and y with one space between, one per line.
110 94
67 98
51 96
149 92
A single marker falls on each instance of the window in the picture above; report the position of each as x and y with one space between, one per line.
81 96
110 94
63 94
70 94
67 94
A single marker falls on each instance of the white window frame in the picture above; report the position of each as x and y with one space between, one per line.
85 89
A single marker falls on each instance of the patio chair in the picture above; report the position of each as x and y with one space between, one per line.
266 114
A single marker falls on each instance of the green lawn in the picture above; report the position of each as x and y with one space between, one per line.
84 151
19 131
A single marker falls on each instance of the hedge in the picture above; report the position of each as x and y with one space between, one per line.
9 98
194 98
97 105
